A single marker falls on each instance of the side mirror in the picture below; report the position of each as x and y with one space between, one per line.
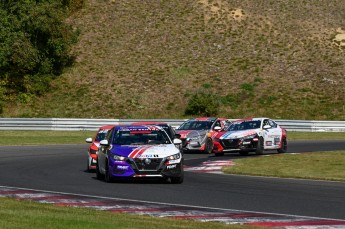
104 143
88 140
266 127
177 141
217 128
178 136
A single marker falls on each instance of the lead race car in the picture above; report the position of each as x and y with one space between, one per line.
251 135
197 134
133 151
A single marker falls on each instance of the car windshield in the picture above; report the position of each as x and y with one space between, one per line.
101 135
244 125
147 137
196 125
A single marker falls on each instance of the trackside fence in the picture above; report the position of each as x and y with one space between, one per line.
73 124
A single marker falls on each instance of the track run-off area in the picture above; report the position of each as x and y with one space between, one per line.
57 174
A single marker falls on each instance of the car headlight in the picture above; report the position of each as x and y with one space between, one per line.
192 139
174 157
118 157
248 137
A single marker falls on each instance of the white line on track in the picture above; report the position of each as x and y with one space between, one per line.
159 203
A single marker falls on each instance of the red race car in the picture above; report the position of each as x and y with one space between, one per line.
197 134
92 156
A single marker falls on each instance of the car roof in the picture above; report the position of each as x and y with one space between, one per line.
203 119
250 119
107 127
138 127
151 123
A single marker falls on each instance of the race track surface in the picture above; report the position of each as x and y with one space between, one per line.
61 168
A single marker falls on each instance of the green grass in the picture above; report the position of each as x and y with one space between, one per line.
40 137
316 135
30 215
18 137
318 166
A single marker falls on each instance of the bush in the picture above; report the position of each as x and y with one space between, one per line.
203 103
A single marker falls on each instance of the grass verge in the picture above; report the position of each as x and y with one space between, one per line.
317 166
27 214
33 137
42 137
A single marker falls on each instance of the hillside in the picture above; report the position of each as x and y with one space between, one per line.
146 58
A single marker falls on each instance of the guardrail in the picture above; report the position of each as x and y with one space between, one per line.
93 124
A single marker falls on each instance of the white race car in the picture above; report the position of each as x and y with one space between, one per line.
253 134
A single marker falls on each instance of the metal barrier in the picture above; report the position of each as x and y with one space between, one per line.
74 124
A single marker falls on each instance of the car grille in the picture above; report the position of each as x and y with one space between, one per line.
143 165
230 143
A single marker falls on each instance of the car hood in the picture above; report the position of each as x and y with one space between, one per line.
237 134
191 133
145 151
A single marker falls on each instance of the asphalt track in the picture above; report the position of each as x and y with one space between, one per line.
61 168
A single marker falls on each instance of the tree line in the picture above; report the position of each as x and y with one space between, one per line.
35 44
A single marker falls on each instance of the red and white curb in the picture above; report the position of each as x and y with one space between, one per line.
227 216
210 167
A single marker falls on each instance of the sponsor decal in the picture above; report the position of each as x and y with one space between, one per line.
143 128
148 156
138 151
171 166
269 143
122 167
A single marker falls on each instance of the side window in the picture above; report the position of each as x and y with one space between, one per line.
272 123
265 123
217 123
109 134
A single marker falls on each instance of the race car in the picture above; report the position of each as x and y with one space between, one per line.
139 151
92 150
197 134
251 135
167 127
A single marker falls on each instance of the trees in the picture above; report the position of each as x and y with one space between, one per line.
34 45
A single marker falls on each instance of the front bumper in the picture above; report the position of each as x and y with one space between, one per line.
141 167
192 145
233 145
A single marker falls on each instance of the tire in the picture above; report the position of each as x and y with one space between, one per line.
208 146
177 180
107 176
219 154
260 146
283 149
99 175
244 153
87 166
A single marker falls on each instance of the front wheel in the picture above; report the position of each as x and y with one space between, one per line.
219 154
177 180
283 148
208 146
260 146
108 178
244 153
99 175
